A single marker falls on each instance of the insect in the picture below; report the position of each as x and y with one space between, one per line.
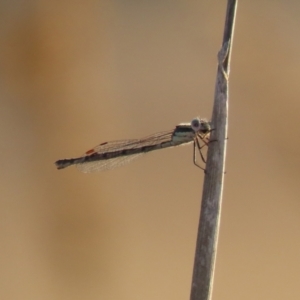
113 154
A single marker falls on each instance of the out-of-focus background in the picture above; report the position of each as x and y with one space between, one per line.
78 73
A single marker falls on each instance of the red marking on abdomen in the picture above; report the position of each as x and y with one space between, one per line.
90 152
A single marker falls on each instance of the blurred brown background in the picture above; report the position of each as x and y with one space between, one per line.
77 73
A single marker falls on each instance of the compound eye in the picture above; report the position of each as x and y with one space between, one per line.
195 123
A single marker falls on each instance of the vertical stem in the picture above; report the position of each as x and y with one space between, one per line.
208 230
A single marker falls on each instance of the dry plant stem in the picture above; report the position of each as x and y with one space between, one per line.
202 282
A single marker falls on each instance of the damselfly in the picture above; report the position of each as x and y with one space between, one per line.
113 154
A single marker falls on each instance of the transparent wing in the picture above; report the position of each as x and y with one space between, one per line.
107 164
153 139
111 163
